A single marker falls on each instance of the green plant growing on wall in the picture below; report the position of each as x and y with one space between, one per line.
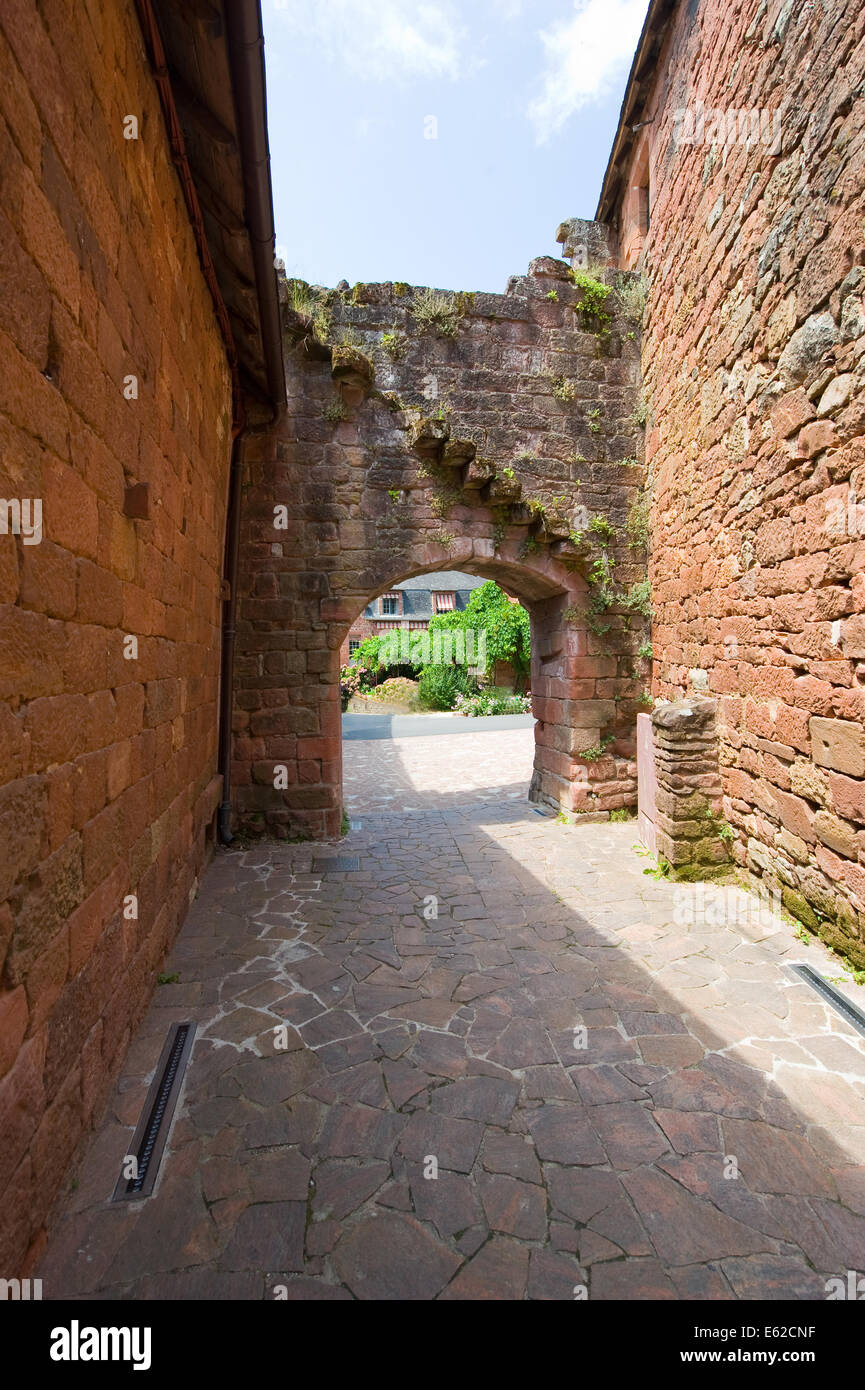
720 827
394 494
637 524
638 599
641 415
593 420
310 304
631 294
602 528
591 755
435 311
592 311
563 388
552 295
335 412
442 499
508 472
446 539
394 344
400 288
645 651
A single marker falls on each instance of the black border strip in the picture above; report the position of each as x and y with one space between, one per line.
849 1012
158 1107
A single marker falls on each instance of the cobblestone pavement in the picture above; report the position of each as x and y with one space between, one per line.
456 1038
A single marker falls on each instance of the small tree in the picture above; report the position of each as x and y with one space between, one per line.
506 624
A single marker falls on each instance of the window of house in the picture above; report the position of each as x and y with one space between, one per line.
353 644
389 603
443 601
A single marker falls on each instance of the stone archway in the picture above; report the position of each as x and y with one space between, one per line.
566 722
524 471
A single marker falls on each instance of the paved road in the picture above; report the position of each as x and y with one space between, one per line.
589 1054
376 726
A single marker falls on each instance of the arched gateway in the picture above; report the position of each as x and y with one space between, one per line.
496 434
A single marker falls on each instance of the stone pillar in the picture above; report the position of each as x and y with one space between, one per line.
688 794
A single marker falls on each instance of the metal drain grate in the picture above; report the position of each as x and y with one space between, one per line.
150 1136
336 864
839 1002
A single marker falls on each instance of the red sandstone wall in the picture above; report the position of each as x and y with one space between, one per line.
367 507
106 765
753 366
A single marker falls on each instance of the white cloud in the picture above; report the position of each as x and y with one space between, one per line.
392 40
585 56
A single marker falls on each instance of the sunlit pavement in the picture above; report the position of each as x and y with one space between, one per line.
618 1081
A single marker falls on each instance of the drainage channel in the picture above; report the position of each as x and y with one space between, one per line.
148 1141
840 1003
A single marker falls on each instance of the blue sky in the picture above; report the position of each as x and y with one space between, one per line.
439 142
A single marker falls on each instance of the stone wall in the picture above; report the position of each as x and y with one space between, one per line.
753 378
470 442
107 759
687 794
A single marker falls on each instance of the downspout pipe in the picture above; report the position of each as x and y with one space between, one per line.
229 629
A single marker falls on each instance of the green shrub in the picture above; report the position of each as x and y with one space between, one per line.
396 690
439 686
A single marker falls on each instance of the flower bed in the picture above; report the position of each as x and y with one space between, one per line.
494 702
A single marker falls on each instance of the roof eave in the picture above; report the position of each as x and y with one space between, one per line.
638 89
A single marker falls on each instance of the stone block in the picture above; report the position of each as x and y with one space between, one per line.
838 744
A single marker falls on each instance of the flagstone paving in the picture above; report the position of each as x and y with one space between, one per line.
621 1087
